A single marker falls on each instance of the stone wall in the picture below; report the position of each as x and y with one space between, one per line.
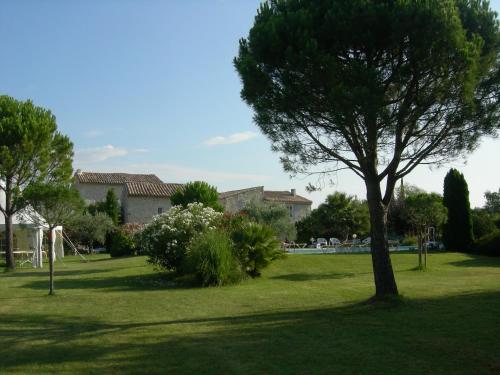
300 211
142 209
92 193
237 202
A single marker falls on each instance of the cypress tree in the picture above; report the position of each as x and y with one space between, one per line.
458 233
111 206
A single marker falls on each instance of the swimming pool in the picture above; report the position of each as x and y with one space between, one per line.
345 250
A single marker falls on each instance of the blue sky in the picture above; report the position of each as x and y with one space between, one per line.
149 86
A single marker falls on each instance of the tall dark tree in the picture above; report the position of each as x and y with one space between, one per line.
375 86
31 151
458 233
111 206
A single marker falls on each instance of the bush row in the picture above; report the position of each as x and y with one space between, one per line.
217 248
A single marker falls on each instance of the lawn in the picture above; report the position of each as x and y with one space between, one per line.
305 315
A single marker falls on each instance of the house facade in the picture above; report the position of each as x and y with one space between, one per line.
141 196
235 200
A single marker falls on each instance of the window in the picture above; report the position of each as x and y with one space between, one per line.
160 210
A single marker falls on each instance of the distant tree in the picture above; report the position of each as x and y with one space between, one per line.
375 86
89 229
492 204
424 211
197 191
483 223
339 216
54 204
31 151
274 215
397 215
458 233
110 206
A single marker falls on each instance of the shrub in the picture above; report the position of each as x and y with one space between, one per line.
90 230
482 223
166 238
255 247
409 241
210 257
275 215
121 243
488 245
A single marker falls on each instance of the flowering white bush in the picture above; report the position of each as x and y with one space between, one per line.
167 237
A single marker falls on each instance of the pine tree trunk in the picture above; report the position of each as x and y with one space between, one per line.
9 230
385 283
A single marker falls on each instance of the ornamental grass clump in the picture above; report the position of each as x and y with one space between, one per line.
210 257
166 239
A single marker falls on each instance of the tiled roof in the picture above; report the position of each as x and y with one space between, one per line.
115 178
228 194
145 189
285 196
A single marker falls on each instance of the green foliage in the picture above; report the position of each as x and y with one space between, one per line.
458 233
110 206
425 210
89 229
492 204
488 245
483 223
273 215
197 191
166 238
340 216
255 247
32 151
210 257
120 243
53 203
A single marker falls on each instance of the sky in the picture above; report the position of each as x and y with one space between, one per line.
149 87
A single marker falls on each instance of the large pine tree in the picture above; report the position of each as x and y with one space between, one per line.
458 233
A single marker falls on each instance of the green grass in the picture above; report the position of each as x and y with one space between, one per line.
305 315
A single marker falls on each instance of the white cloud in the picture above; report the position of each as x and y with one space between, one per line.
93 133
178 173
230 139
98 154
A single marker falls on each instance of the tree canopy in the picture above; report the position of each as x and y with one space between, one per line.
31 151
374 86
197 191
339 216
275 215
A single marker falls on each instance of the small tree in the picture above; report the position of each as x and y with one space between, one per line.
424 211
375 86
274 215
89 229
458 233
197 192
55 204
31 151
111 206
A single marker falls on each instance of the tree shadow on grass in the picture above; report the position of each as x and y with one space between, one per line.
477 261
113 282
438 336
313 276
44 272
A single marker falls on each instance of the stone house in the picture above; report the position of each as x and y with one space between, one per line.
141 196
298 206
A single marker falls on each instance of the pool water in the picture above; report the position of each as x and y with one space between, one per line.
344 250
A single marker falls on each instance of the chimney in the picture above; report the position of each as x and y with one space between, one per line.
78 171
294 192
